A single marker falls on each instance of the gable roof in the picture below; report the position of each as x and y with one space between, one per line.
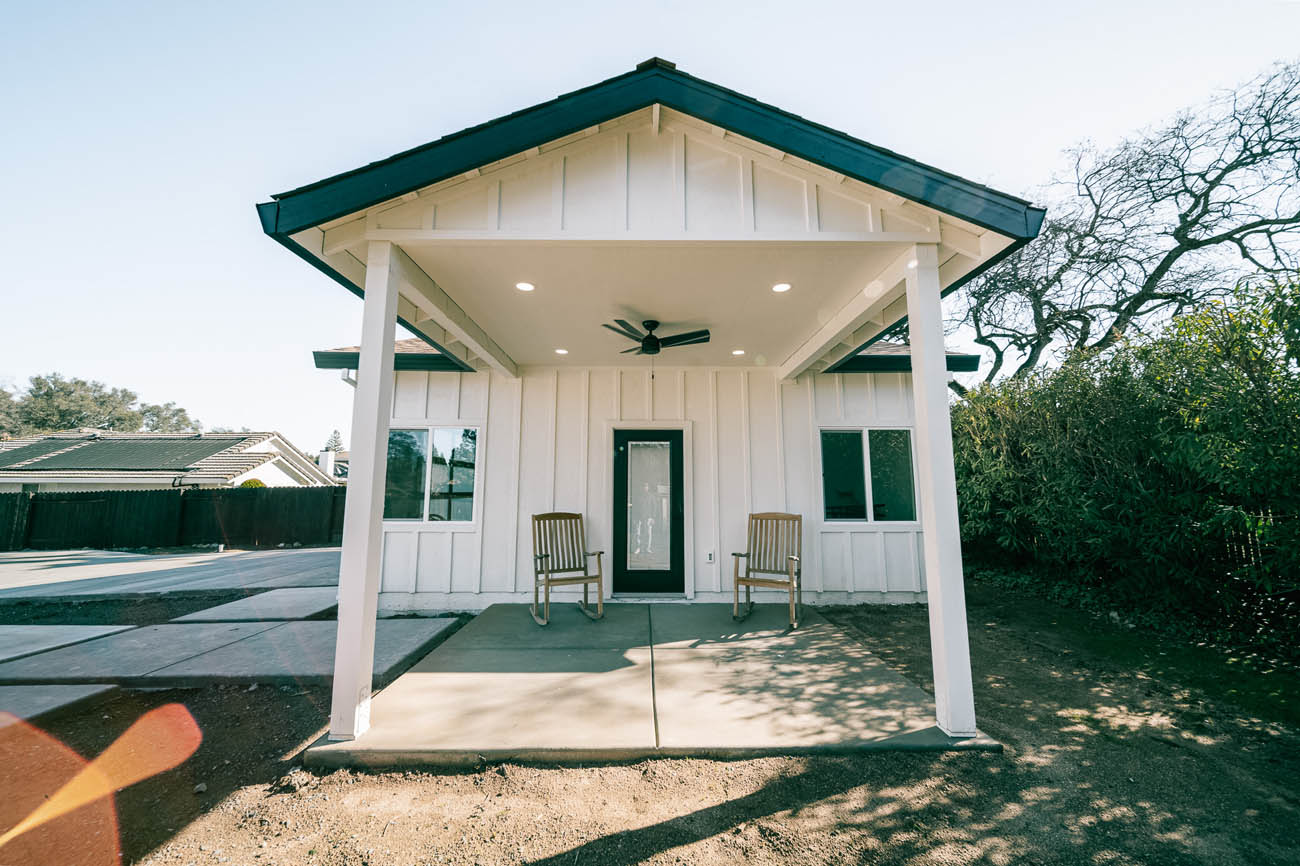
208 458
655 81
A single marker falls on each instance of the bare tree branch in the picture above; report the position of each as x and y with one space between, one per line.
1164 221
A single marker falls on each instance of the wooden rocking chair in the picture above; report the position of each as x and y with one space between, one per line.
560 558
772 561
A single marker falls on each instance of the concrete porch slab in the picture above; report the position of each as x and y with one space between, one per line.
278 604
17 641
40 702
508 626
504 689
465 705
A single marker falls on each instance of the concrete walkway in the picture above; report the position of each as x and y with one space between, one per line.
648 680
65 573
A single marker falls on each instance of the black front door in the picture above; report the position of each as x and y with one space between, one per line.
648 514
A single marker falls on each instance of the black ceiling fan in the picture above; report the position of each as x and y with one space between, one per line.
649 344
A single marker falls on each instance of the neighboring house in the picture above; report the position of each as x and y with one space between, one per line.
782 251
94 460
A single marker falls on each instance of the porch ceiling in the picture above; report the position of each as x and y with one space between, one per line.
726 288
651 195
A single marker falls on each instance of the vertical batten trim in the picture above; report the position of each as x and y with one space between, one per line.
679 179
814 458
621 194
554 431
518 499
839 397
557 194
745 422
460 384
618 394
748 208
583 444
487 473
494 206
717 484
780 446
681 394
650 394
812 215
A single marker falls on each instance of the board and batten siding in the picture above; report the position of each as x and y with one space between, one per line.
545 444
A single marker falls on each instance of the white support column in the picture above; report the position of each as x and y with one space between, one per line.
354 655
954 698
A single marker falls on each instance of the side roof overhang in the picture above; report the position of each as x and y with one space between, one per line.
654 81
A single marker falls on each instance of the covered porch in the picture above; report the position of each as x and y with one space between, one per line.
519 250
650 680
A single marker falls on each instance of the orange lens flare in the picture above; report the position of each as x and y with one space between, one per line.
159 740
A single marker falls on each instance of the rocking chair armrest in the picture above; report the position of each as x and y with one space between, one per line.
741 555
595 553
792 556
541 556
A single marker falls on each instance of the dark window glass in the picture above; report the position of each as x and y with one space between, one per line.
892 491
451 474
404 482
843 486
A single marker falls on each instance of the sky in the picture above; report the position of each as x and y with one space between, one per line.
136 138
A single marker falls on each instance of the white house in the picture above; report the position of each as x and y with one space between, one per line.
86 460
535 254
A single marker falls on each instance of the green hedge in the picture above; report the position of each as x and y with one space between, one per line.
1167 473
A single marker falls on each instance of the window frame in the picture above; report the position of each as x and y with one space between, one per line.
864 431
423 522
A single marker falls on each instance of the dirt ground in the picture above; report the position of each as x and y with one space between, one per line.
1120 749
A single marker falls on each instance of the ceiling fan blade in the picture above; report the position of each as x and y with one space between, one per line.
689 343
631 330
621 332
636 349
685 339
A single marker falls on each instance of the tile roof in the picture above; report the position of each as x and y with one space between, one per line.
199 458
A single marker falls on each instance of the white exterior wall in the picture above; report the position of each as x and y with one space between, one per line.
751 444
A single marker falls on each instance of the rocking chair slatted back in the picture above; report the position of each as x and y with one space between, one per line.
773 538
559 535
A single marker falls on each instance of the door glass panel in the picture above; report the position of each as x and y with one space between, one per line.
649 494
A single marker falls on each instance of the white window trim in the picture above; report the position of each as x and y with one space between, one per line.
870 522
423 523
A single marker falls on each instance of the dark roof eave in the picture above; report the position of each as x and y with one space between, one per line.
401 361
902 364
455 154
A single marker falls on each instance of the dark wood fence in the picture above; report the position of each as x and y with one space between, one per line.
116 519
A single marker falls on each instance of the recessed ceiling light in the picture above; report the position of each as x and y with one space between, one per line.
781 287
737 351
525 287
561 351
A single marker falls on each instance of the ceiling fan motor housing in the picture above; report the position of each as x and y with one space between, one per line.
650 345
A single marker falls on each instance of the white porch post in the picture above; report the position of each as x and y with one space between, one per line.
954 699
354 655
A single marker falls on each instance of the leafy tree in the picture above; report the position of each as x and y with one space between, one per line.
8 415
253 482
167 418
54 403
1158 225
334 443
1167 470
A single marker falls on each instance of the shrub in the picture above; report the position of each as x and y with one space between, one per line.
1167 470
253 482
